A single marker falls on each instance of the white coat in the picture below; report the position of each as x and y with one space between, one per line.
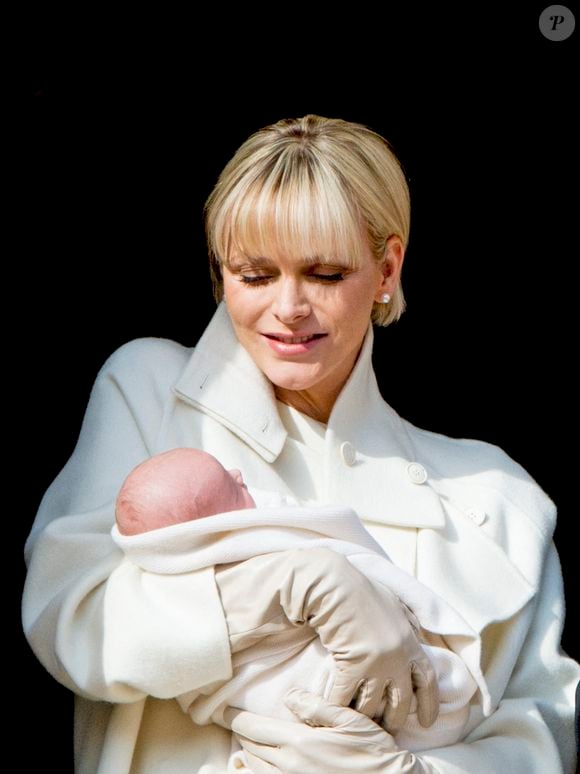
469 522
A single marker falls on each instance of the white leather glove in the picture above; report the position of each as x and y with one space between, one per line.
330 739
379 661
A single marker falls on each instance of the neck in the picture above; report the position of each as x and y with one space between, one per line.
318 402
303 400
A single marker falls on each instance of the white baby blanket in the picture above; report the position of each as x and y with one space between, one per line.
263 674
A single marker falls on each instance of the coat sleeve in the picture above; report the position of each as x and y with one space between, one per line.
532 730
101 625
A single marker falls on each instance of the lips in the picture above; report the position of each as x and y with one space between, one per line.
286 339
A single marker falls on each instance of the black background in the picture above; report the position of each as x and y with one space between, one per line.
122 149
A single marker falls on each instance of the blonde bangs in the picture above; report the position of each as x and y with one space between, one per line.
294 210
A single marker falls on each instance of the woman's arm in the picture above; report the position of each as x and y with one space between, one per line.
531 732
101 625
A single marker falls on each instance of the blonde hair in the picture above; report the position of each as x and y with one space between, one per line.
306 186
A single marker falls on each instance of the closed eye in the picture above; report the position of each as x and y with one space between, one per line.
328 277
263 279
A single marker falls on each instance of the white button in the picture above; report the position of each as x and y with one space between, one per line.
416 473
348 453
476 516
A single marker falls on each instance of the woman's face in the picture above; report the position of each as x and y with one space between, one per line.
302 321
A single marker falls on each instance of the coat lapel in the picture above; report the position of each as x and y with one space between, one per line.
222 381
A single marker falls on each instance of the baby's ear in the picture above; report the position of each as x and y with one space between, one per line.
236 475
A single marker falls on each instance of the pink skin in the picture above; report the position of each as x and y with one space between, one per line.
272 300
177 486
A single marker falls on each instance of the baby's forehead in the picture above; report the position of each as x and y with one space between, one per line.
202 459
185 459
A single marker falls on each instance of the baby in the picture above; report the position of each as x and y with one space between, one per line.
177 486
181 488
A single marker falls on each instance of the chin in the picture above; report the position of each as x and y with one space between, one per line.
293 378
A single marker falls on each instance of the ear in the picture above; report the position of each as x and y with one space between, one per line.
236 475
391 266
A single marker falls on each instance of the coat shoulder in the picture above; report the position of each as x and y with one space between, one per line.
147 359
475 465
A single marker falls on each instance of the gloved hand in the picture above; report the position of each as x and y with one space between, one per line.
330 739
379 661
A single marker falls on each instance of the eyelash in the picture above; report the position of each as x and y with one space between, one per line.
324 278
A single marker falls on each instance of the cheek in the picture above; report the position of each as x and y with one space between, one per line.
353 307
241 306
238 307
230 293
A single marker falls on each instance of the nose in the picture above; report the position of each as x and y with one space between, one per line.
291 302
236 475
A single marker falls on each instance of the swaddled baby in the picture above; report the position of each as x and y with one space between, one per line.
176 486
187 486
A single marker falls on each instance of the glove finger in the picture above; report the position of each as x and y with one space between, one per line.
261 759
370 699
259 728
331 721
313 709
243 762
399 696
426 692
343 690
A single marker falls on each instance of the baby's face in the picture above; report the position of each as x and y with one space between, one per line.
230 492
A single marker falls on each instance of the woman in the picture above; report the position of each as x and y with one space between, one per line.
307 229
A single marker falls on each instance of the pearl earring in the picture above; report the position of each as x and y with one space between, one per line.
385 298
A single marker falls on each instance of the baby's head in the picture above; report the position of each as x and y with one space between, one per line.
176 486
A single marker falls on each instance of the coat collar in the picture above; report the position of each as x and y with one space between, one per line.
221 368
378 480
